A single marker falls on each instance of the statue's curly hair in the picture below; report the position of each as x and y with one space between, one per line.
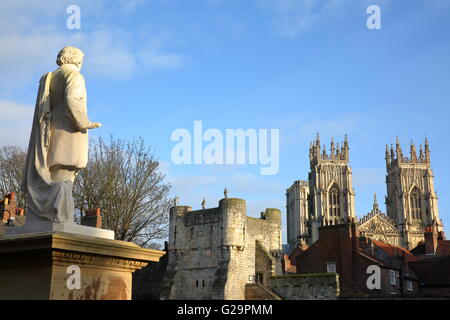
69 55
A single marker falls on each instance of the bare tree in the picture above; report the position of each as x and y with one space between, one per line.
12 161
123 179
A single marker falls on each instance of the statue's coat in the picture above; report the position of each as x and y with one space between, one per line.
58 137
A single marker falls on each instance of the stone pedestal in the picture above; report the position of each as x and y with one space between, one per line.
34 224
44 266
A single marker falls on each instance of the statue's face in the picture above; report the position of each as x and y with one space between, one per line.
79 65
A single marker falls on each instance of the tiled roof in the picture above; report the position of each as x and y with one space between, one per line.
394 251
443 248
371 258
297 251
433 272
419 250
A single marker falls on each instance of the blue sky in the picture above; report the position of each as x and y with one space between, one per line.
298 66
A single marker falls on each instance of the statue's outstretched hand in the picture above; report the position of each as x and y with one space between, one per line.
94 125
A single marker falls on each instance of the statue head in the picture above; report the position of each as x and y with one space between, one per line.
70 55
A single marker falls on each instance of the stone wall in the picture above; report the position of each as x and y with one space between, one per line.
212 252
263 263
306 286
147 282
264 233
255 291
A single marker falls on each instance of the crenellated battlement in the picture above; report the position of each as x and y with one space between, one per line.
338 153
213 252
271 214
395 157
179 211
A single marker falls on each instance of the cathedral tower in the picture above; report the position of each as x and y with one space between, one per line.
411 199
297 214
331 195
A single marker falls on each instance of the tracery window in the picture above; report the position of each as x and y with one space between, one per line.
415 204
334 202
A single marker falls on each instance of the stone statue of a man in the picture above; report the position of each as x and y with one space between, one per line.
58 145
68 139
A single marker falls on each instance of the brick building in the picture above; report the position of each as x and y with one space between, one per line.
10 213
289 262
432 265
9 209
339 249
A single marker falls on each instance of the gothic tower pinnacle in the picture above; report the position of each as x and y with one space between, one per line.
411 199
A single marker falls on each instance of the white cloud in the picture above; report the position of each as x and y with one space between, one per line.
232 25
31 37
292 17
108 53
153 55
15 123
152 59
25 55
14 112
260 192
330 127
131 6
239 184
305 126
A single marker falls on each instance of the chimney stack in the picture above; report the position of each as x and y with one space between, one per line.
430 240
92 218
